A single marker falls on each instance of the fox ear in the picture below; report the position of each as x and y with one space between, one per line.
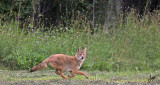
78 49
85 49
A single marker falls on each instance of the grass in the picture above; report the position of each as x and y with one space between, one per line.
134 47
95 77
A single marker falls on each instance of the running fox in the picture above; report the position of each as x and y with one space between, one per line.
63 62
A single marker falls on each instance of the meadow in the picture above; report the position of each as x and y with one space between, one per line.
133 46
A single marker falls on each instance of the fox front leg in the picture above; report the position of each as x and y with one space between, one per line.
79 72
82 73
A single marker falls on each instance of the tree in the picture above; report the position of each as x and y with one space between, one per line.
112 12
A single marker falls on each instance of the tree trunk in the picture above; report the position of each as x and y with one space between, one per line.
58 14
93 13
43 13
67 13
112 14
93 17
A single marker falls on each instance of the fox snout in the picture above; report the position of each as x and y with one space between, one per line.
82 57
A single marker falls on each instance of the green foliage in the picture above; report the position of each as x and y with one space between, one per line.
134 47
21 9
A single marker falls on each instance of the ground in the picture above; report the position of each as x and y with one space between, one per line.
48 77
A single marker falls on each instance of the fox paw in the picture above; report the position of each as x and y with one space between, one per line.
70 76
87 77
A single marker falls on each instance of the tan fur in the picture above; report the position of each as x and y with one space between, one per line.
63 62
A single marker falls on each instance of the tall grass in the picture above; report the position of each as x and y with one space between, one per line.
135 47
138 43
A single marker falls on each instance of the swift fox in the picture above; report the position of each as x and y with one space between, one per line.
63 62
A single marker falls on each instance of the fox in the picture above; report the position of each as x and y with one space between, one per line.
62 62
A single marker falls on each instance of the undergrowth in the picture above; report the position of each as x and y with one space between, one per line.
133 47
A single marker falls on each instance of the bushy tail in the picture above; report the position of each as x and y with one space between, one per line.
42 65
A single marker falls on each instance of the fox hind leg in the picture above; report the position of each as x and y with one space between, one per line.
57 72
62 75
72 74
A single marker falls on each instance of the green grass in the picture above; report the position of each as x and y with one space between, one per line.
134 47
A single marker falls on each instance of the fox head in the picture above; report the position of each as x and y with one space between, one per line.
81 54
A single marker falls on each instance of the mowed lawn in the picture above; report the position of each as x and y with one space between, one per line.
48 77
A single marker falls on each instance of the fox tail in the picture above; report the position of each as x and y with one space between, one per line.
42 65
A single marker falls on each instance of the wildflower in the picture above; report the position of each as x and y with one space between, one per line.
10 28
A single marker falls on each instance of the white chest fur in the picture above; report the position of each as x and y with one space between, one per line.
69 68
